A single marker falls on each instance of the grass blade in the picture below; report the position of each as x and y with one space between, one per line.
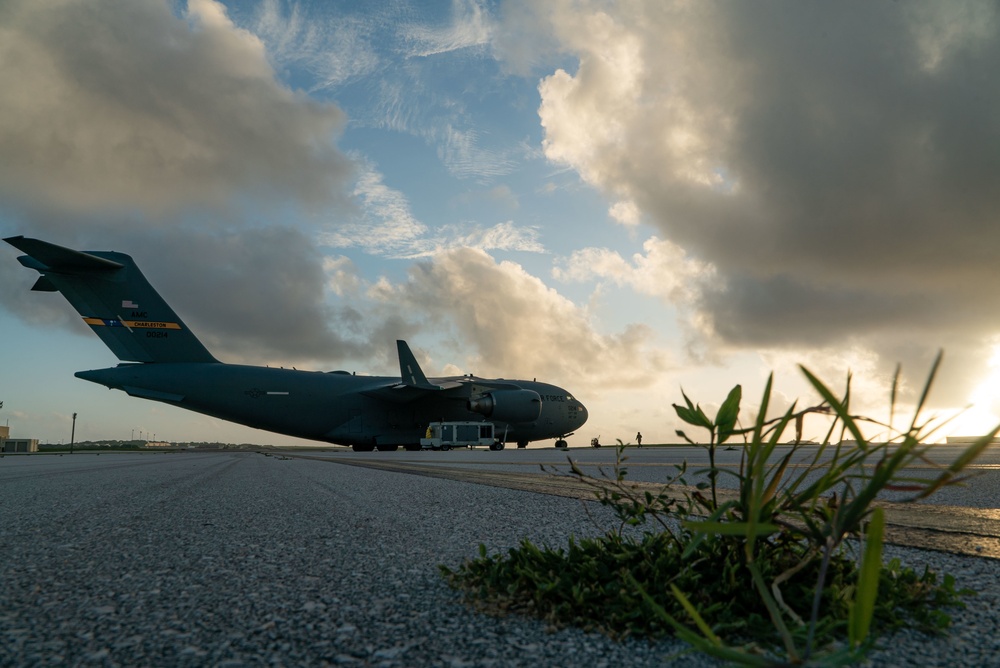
863 607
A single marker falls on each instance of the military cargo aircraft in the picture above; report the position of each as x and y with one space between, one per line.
162 360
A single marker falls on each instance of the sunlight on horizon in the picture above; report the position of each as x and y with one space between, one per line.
984 412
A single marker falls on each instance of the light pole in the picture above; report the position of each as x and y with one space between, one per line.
72 435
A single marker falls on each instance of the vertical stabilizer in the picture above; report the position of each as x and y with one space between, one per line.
409 370
115 299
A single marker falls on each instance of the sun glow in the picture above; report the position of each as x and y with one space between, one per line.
984 413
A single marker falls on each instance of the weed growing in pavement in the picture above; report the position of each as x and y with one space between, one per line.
784 568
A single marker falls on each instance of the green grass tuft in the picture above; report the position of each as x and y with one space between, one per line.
788 569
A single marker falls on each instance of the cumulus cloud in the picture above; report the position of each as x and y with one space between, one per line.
519 326
343 278
626 213
664 271
126 127
834 163
120 104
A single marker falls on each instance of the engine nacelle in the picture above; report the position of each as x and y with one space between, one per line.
508 405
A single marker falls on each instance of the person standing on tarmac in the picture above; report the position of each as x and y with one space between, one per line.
638 438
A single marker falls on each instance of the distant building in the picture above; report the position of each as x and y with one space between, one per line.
158 444
20 445
8 444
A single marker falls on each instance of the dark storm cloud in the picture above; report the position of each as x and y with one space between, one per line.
835 162
254 296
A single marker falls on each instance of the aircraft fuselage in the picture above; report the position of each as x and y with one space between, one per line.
331 407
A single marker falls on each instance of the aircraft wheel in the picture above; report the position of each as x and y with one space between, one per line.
384 447
412 447
445 447
562 444
363 447
522 444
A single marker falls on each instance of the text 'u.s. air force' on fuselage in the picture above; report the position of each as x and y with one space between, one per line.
162 360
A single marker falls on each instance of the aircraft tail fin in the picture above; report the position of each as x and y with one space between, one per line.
115 299
410 372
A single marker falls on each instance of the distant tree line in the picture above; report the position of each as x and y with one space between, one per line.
141 445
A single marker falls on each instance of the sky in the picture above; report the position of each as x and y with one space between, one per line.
627 199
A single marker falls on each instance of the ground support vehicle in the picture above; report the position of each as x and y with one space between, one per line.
448 435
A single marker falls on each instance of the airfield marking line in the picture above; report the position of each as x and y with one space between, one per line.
954 529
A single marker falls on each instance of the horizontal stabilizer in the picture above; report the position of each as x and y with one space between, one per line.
44 285
49 257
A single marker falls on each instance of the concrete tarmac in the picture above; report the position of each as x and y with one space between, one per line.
242 559
938 522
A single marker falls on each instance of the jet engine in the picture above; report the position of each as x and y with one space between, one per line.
508 405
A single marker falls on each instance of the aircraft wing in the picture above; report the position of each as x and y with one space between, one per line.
401 393
413 384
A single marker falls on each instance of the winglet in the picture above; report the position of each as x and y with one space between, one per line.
409 370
